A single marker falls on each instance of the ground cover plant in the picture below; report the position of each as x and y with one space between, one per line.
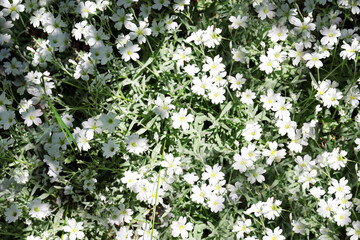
159 119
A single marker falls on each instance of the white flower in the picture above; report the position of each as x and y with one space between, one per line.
242 163
265 10
273 153
325 208
211 36
273 235
277 54
12 9
145 232
179 5
298 54
191 178
216 95
340 188
242 227
317 192
286 126
237 81
199 85
303 27
74 228
182 119
191 69
282 108
120 17
130 179
129 51
7 118
238 21
172 164
170 24
110 148
12 213
278 33
296 141
86 8
331 97
305 163
354 231
108 122
298 227
216 203
54 169
252 131
213 174
250 152
349 51
163 106
38 209
124 234
213 65
270 99
82 138
181 56
138 32
256 175
342 217
78 30
357 141
238 54
199 194
93 125
268 64
271 208
180 227
125 214
122 40
330 35
307 178
31 116
89 184
136 144
247 97
313 59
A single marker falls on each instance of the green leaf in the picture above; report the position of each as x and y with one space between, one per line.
62 125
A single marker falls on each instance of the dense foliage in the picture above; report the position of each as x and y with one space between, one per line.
159 119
